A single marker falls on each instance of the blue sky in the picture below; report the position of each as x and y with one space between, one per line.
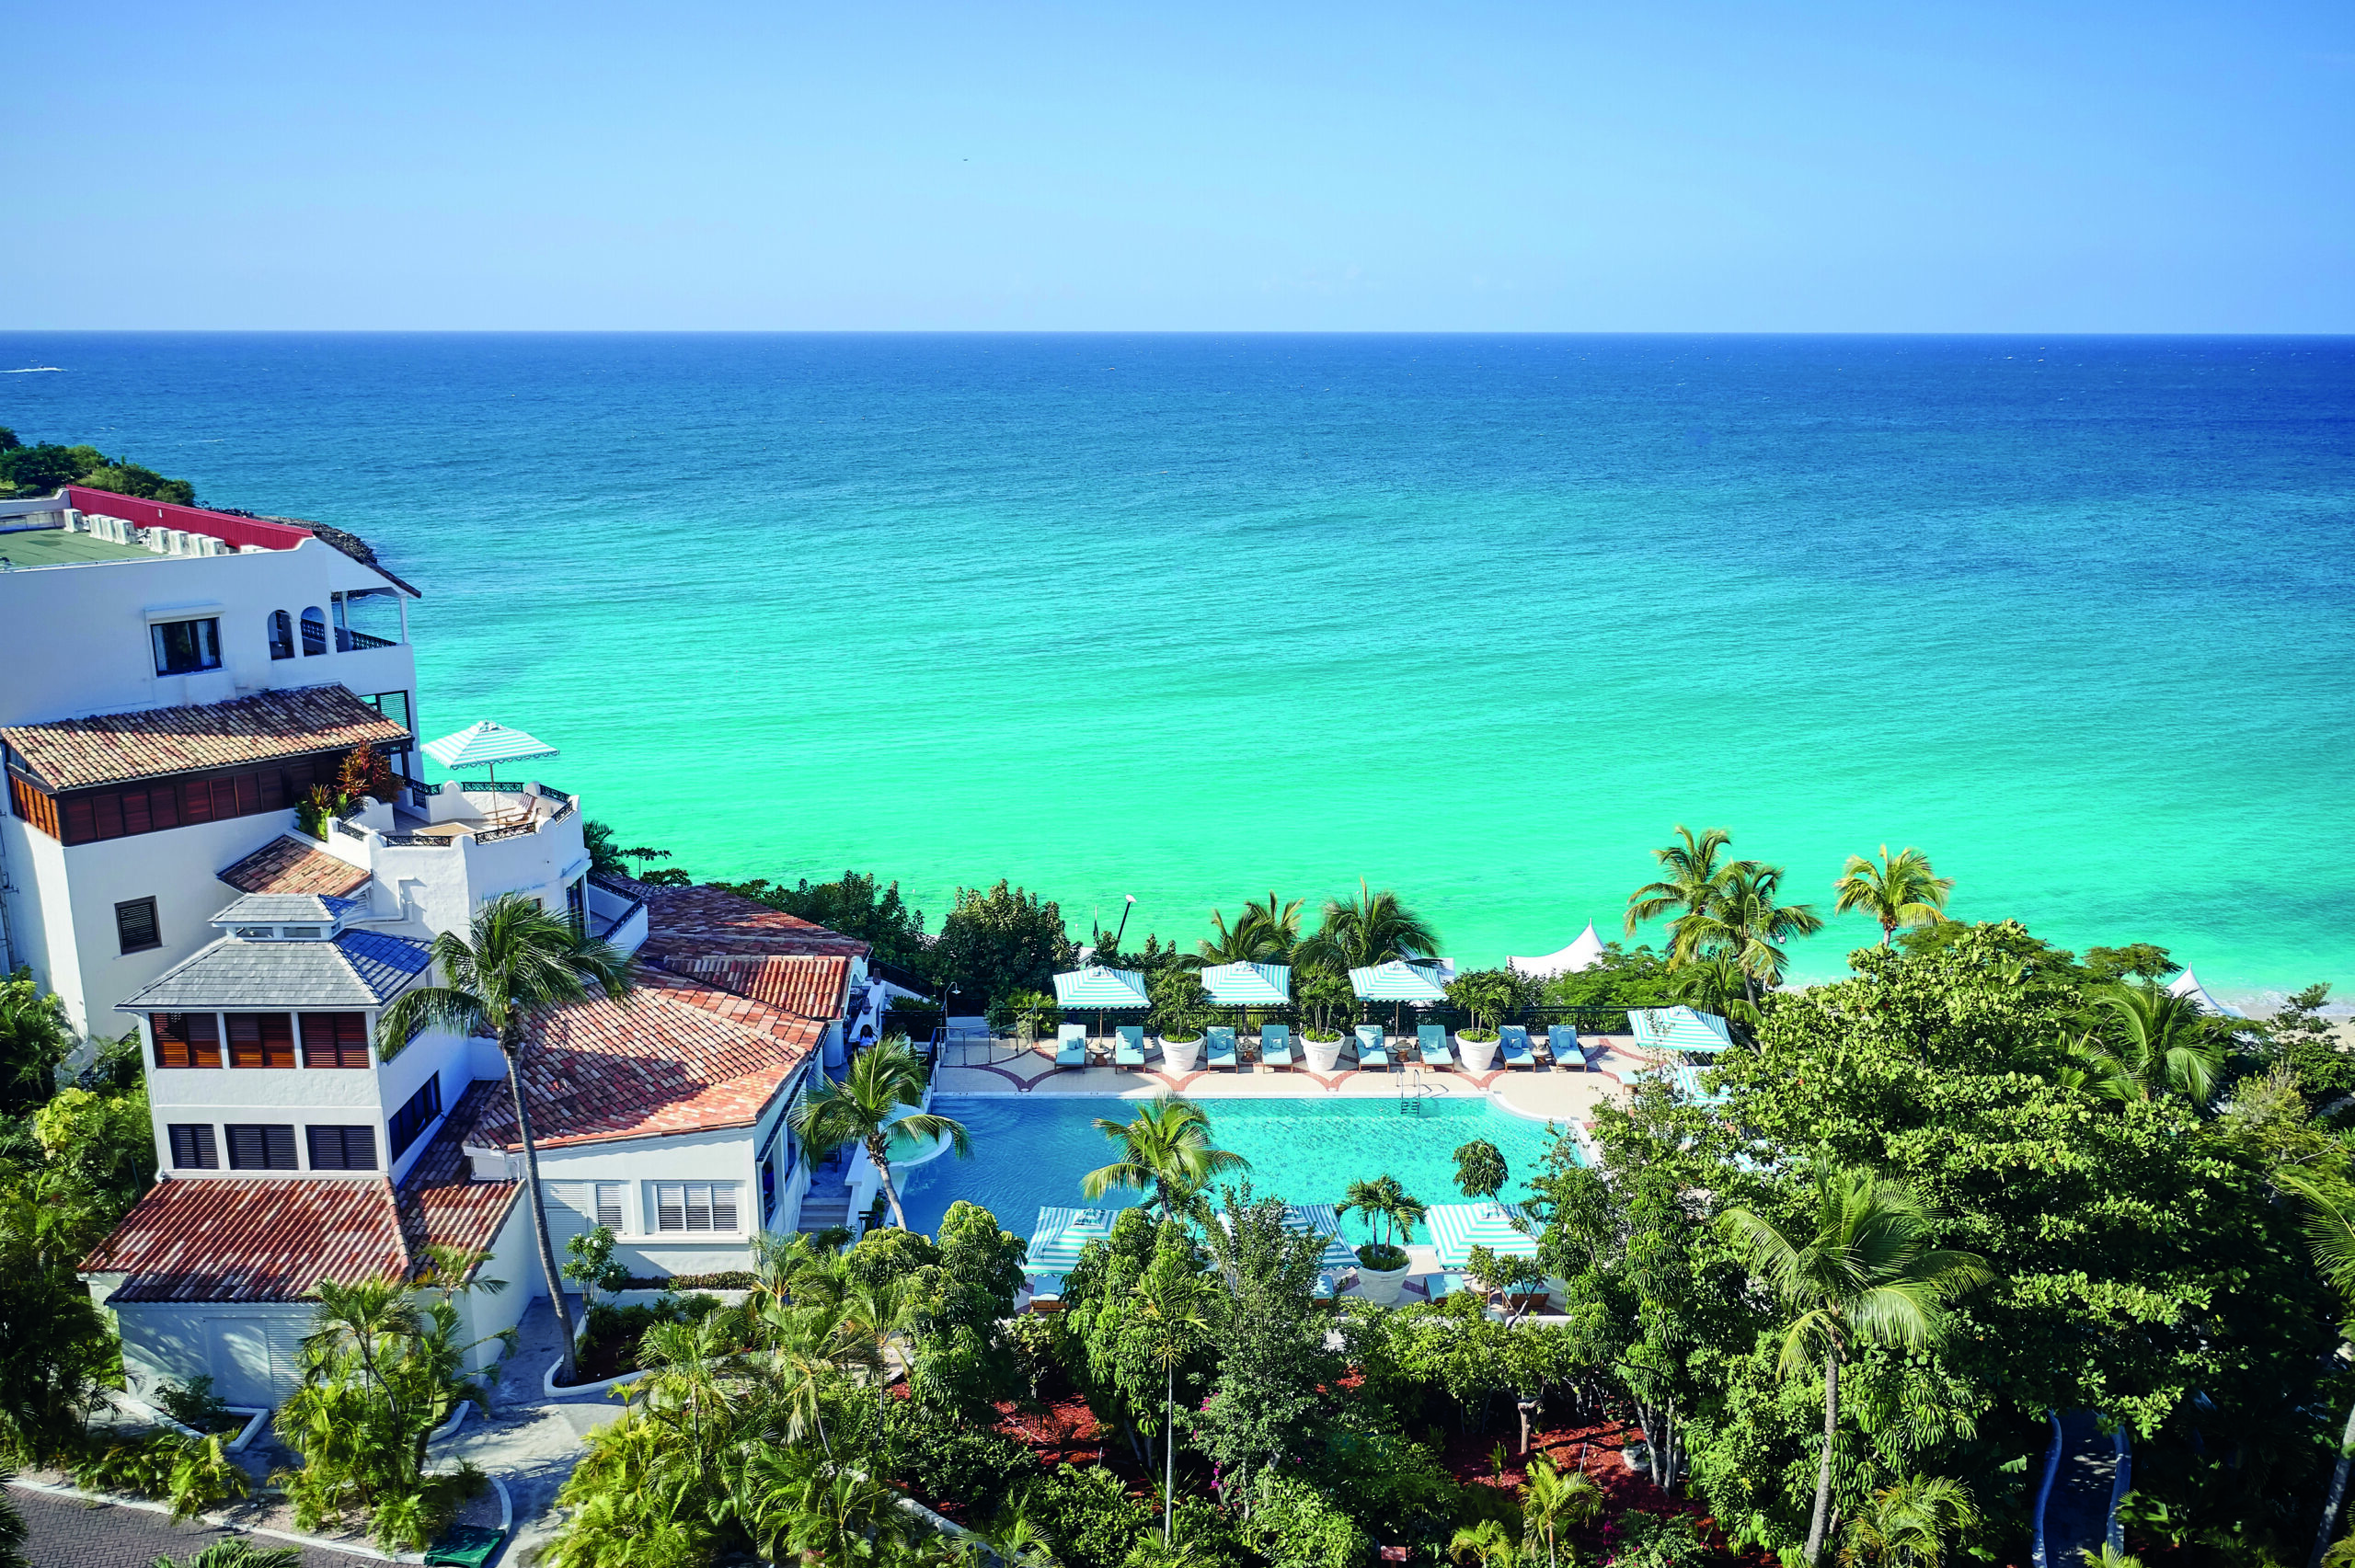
1555 167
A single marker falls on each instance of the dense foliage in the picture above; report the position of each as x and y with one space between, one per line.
41 470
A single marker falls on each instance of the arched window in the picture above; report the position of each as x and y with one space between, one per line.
315 630
282 635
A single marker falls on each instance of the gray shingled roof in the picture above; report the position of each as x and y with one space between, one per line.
359 969
286 908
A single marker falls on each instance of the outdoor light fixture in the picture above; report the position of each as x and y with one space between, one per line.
1132 899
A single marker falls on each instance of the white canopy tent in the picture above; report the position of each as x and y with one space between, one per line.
1583 954
2188 984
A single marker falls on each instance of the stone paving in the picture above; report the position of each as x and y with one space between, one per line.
65 1533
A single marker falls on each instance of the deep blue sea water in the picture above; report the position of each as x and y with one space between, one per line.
1479 618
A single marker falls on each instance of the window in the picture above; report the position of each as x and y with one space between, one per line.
282 635
315 631
394 706
575 906
694 1206
600 1203
342 1147
135 925
261 1149
261 1040
183 647
334 1039
415 1117
609 1205
192 1146
186 1040
768 1193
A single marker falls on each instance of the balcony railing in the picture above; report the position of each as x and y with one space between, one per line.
346 640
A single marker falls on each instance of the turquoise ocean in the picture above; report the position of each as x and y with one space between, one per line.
1197 617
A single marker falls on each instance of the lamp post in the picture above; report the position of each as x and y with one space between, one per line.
1123 930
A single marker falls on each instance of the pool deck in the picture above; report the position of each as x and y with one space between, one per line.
1543 1093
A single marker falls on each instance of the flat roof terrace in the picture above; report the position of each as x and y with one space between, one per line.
25 548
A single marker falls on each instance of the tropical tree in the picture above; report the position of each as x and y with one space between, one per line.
1551 1498
1373 928
1747 923
2140 1043
1172 1324
1485 1545
1390 1210
1909 1524
236 1551
1480 1170
1714 982
1690 878
1861 1273
1165 1150
866 1105
516 960
1262 934
2330 1233
1898 893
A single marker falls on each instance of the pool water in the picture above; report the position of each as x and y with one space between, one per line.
1029 1154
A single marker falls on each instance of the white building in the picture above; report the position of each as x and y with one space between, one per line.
158 734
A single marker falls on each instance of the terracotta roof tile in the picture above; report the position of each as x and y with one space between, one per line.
681 1056
287 864
696 923
75 753
441 1202
806 984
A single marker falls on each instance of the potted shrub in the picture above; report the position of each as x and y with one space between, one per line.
1478 1047
1325 994
1322 1047
1181 1009
1382 1263
1486 995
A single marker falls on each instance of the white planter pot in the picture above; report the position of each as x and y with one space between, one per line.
1381 1285
1180 1056
1323 1056
1479 1055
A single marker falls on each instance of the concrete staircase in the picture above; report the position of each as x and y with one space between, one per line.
827 1203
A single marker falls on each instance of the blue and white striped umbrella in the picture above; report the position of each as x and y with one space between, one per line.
1397 981
1678 1029
1097 986
1249 985
1458 1227
1055 1244
1322 1219
485 743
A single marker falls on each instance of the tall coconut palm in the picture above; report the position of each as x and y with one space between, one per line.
1690 878
1551 1498
866 1105
1262 934
1169 1306
1165 1150
2141 1043
1862 1272
1898 893
515 960
1373 928
1747 924
2330 1234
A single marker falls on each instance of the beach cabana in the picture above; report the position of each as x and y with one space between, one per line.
1458 1227
1582 954
1101 988
1249 985
2188 984
1060 1233
1679 1029
487 744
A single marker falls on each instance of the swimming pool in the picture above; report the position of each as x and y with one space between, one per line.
1029 1154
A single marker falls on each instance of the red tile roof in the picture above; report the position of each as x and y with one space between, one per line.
681 1056
805 984
240 1239
698 922
114 748
287 864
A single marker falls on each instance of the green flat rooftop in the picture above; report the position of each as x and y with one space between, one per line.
55 547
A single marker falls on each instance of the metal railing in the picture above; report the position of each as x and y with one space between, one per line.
416 842
367 640
349 831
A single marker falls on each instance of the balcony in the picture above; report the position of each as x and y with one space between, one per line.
485 813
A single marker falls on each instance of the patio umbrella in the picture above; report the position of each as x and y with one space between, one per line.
1249 985
1102 988
1314 1220
1458 1227
1399 982
1060 1233
486 743
1679 1029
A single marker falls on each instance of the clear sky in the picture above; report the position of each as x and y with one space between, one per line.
877 164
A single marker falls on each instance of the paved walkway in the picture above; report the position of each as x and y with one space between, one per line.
62 1533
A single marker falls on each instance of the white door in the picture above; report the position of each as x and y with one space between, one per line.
239 1353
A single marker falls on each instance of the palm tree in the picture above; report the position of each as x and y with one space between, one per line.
1169 1303
1167 1150
1690 883
1714 983
1908 1525
234 1552
1373 928
1864 1275
1487 1544
686 1363
1388 1206
879 1309
1901 892
1262 934
2330 1235
1552 1497
866 1105
2141 1043
516 960
1745 923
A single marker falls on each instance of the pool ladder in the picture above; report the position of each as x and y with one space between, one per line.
1415 1087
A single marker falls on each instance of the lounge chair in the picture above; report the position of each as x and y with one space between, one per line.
1127 1049
1374 1047
1432 1039
1275 1044
1220 1047
1046 1293
1562 1043
1071 1044
1514 1037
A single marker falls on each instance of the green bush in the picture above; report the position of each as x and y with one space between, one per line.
953 1464
192 1473
195 1405
1088 1515
1295 1526
1657 1540
1396 1484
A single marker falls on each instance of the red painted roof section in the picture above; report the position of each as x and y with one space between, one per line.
680 1056
810 986
700 923
287 864
242 1238
75 753
223 526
